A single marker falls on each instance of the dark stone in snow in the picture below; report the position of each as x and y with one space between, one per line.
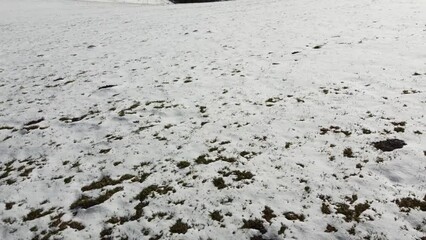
389 145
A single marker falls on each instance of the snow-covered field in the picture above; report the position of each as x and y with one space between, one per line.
247 119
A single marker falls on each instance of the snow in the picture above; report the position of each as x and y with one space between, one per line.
278 89
144 2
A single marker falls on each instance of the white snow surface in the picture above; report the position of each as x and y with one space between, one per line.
145 2
158 101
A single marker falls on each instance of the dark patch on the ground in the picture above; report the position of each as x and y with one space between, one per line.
151 190
325 208
6 128
9 205
282 229
293 216
106 150
330 228
106 86
203 159
140 129
128 110
352 214
179 227
72 119
34 122
37 213
215 215
87 202
219 183
183 164
254 224
406 204
142 197
348 153
335 129
389 144
268 214
242 175
247 154
106 181
271 101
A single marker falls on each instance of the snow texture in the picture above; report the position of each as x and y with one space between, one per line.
230 120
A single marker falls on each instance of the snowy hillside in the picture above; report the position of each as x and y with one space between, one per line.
249 119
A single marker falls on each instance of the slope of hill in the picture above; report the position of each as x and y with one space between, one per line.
232 120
